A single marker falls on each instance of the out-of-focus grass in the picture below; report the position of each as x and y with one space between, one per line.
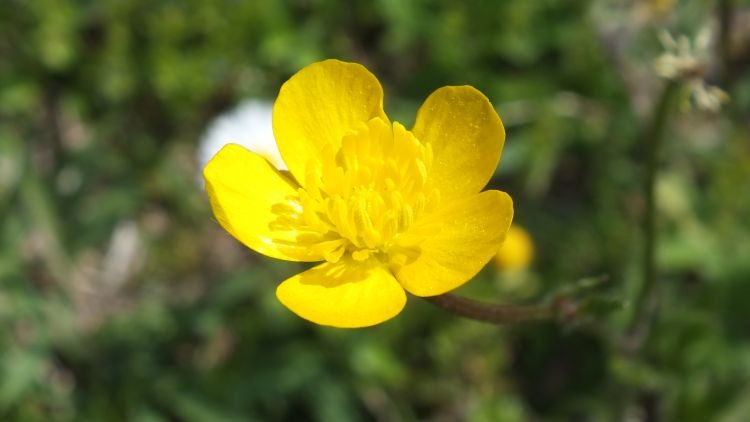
122 299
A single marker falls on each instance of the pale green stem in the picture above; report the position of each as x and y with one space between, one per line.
646 301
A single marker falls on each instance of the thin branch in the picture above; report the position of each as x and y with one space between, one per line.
725 12
502 314
646 303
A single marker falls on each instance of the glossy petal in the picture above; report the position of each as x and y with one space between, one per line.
467 138
318 105
245 192
458 241
347 294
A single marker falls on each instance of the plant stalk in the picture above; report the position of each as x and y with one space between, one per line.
500 314
725 12
646 301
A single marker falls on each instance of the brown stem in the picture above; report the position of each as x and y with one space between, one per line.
500 314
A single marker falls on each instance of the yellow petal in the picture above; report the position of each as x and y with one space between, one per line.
347 294
467 138
246 193
318 105
459 240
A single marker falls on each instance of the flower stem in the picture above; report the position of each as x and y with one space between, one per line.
500 314
646 301
725 12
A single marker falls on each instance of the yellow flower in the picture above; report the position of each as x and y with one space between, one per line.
386 208
517 251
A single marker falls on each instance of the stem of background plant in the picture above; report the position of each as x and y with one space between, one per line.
501 314
647 299
725 10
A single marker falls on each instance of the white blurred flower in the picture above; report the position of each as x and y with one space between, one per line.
683 59
707 97
688 61
249 125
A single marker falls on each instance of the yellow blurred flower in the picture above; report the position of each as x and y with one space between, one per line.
658 8
517 251
663 6
386 208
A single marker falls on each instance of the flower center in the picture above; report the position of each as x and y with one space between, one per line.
362 196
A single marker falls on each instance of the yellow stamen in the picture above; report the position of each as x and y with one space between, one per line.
362 196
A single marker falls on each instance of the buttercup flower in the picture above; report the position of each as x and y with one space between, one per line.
386 208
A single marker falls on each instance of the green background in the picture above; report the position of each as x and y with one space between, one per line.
102 105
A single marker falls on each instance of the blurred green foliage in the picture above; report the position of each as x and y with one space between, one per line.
102 105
